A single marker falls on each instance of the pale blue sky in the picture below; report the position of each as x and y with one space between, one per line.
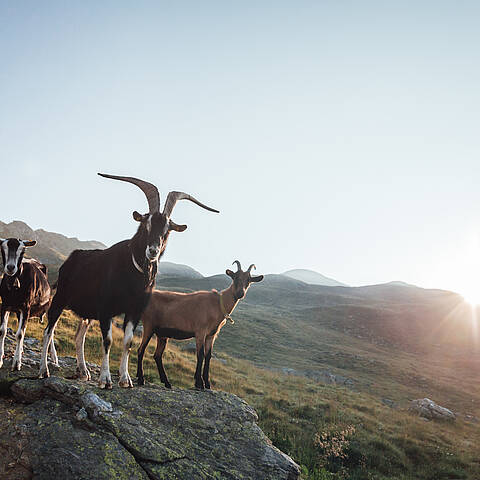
337 136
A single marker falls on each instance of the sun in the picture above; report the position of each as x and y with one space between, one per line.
472 296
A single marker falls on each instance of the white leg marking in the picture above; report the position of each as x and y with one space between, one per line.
105 380
82 370
3 333
17 358
47 338
125 380
53 353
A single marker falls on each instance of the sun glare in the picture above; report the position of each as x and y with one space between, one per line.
468 268
472 297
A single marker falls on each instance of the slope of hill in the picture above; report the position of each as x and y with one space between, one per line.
392 341
387 343
52 248
312 277
170 269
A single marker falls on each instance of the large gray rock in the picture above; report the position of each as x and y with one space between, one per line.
73 429
427 408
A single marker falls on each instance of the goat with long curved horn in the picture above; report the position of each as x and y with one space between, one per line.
174 197
150 190
250 267
99 284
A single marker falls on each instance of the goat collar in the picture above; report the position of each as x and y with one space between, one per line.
136 265
224 311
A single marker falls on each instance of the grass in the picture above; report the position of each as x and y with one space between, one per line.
296 412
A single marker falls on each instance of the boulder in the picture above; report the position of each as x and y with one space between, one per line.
428 409
72 429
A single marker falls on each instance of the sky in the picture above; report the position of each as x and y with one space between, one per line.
332 135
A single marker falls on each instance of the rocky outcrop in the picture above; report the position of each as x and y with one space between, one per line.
61 428
428 409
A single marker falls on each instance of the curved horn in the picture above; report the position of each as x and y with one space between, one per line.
150 190
174 197
239 267
250 267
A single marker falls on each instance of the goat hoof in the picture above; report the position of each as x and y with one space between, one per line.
168 385
125 383
207 386
1 363
44 374
105 385
140 381
16 366
83 375
200 386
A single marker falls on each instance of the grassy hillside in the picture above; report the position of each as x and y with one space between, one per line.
388 344
331 431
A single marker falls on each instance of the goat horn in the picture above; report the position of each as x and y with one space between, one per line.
150 190
174 197
250 267
239 267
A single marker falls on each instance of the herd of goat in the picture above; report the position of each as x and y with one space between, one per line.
100 284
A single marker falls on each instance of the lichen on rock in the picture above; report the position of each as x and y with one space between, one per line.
76 430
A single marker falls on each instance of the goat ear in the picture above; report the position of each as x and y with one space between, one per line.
259 278
174 226
229 273
138 217
29 243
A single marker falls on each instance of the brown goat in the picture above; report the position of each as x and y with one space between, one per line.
186 315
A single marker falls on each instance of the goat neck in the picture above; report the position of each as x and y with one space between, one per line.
138 244
229 301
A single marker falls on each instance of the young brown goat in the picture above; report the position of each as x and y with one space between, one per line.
186 315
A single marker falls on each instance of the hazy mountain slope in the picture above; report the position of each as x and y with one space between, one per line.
390 340
312 277
52 248
170 269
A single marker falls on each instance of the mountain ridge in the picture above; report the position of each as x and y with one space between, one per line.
312 277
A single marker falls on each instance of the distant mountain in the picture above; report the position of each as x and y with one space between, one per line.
313 278
399 283
52 248
170 269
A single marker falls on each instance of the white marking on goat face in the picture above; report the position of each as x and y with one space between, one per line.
152 252
12 253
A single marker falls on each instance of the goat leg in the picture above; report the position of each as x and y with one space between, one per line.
105 380
140 353
53 316
125 381
200 356
3 332
158 356
82 370
208 355
20 335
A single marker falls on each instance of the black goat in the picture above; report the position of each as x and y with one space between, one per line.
99 284
24 290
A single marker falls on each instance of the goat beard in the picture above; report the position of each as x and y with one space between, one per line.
13 283
149 272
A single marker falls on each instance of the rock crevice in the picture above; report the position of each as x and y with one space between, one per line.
73 429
